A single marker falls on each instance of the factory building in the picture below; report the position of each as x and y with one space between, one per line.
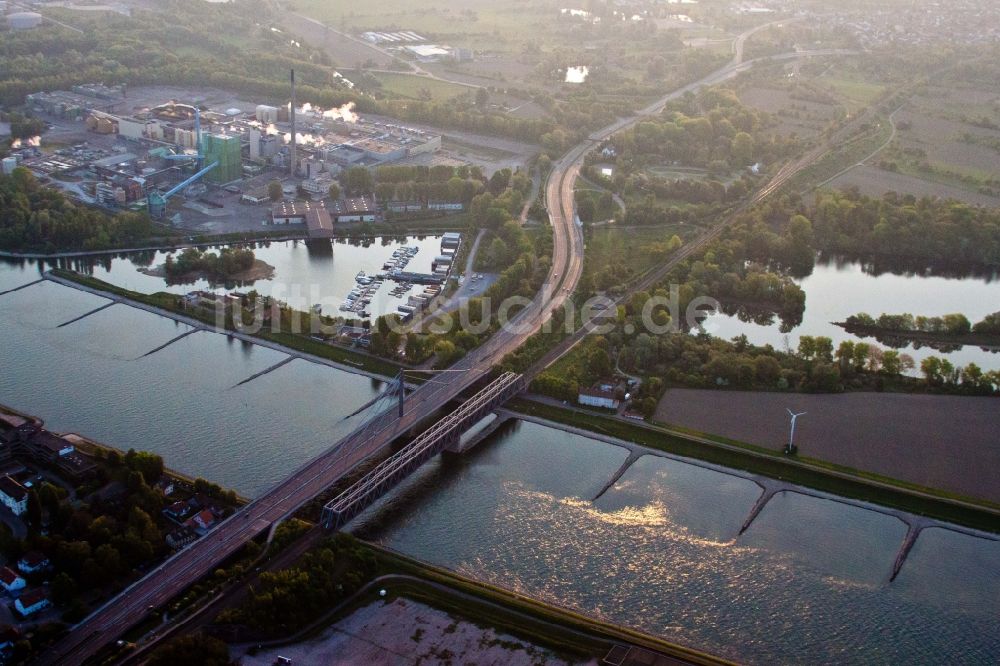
360 209
227 151
131 128
429 52
267 114
185 138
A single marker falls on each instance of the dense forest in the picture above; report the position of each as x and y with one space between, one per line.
711 138
285 601
34 217
918 230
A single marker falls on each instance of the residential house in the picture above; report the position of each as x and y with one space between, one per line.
177 511
32 561
201 522
598 396
180 537
165 486
13 495
10 580
32 602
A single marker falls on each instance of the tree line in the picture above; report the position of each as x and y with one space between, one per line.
35 217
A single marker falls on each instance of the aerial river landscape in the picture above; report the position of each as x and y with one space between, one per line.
808 580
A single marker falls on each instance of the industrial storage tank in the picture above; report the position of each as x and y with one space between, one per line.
24 20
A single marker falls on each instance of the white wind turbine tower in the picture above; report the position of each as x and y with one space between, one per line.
791 435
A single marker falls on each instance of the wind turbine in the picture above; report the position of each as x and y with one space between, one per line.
791 435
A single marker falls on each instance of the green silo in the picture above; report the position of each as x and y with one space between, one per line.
225 150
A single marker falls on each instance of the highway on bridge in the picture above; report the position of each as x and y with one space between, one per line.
174 575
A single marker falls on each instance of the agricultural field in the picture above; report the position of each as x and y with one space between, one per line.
850 429
418 87
528 46
874 181
855 94
946 144
793 113
463 23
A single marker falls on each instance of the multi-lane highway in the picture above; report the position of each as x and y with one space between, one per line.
311 479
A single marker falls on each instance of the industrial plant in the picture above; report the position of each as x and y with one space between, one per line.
211 159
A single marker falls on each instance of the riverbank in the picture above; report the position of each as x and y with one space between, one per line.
564 631
348 232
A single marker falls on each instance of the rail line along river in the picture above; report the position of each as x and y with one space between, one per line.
660 551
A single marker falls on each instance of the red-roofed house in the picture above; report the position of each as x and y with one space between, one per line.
30 603
32 561
10 580
202 521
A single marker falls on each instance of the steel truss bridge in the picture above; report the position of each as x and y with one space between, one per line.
442 435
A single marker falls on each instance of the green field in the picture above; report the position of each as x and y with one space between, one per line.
856 94
452 22
410 85
638 248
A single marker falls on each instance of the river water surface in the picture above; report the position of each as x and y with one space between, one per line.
660 551
183 402
305 272
836 290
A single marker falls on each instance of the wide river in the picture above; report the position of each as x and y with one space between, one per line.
807 583
184 402
660 551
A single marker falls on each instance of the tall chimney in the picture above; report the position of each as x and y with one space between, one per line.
291 151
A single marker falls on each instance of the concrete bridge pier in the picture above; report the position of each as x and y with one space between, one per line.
465 444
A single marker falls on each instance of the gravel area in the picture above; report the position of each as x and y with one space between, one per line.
406 632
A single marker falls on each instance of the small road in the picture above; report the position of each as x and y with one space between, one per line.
464 292
892 137
536 182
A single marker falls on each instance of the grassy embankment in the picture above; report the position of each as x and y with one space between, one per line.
803 471
847 154
560 629
295 341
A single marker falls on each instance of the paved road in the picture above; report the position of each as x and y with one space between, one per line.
311 479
